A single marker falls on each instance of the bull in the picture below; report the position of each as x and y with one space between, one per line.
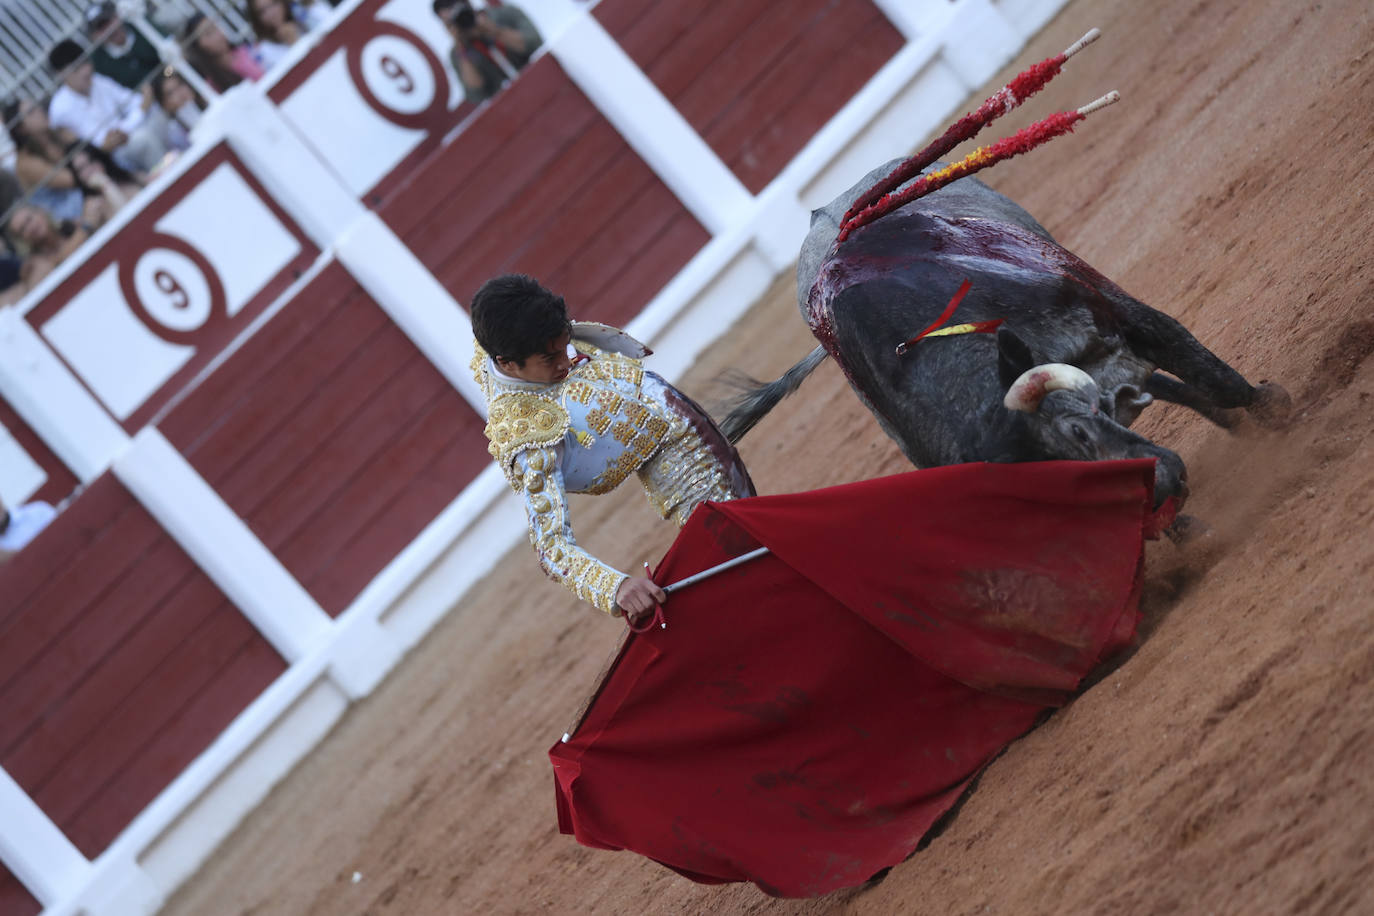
1073 363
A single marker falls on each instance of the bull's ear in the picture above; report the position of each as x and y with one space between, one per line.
1013 356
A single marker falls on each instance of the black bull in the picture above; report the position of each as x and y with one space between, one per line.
946 400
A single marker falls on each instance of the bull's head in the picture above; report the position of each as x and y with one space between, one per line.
1064 418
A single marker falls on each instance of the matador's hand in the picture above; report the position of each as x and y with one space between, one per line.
637 597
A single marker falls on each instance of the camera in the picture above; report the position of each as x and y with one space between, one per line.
458 13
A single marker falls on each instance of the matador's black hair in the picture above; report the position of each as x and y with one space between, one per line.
514 317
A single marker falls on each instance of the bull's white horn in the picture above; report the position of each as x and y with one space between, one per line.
1026 393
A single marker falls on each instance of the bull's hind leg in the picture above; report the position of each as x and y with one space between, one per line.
1208 385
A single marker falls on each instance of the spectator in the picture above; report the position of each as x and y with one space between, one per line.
277 27
490 45
121 52
167 128
77 189
11 264
311 14
91 107
170 18
42 241
22 524
223 65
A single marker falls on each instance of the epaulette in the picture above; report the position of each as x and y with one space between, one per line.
519 420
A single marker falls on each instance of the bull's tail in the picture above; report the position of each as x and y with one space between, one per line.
757 398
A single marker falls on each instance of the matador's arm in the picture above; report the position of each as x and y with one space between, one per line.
535 472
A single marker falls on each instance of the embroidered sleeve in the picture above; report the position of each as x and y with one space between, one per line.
535 473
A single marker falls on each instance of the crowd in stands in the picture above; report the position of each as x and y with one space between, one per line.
118 114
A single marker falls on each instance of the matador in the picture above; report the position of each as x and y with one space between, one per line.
571 409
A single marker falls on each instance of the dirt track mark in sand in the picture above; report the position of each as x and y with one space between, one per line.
1341 359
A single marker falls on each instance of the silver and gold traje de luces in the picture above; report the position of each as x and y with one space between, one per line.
586 434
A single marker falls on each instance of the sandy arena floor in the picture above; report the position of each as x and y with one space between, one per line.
1227 767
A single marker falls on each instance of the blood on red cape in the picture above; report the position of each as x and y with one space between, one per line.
806 717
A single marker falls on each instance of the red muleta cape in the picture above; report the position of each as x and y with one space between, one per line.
806 717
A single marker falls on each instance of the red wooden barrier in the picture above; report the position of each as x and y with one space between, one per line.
15 900
332 436
121 662
756 78
542 184
147 276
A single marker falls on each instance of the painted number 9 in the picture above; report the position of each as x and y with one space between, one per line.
176 296
172 290
397 74
392 68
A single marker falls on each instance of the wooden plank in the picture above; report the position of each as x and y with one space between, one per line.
648 31
715 44
155 764
263 422
273 348
102 691
369 503
593 210
76 579
614 252
387 534
617 17
783 108
748 55
271 436
98 750
318 473
481 148
15 900
625 295
54 666
464 267
63 545
466 213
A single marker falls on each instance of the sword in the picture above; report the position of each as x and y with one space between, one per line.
692 580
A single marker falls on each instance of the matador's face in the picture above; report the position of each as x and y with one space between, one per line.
546 368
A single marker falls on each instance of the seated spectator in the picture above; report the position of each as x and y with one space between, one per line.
170 17
76 187
11 264
489 46
311 14
121 52
91 107
276 27
167 128
42 242
208 49
20 525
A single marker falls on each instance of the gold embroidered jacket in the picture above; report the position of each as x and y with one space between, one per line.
586 434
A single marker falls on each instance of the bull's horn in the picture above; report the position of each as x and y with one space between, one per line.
1026 393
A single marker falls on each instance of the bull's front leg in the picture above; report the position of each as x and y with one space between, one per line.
1167 388
1209 386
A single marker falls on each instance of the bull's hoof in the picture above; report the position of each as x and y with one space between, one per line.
1272 407
1188 530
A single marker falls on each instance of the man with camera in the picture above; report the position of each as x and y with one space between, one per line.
490 45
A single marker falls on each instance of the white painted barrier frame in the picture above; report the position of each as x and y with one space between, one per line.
951 48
